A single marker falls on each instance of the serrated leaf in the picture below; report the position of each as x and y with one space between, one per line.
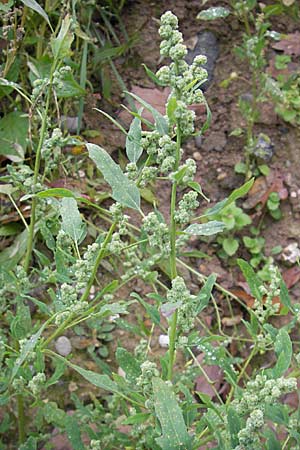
174 433
133 140
251 278
61 45
204 295
72 223
124 191
205 229
32 4
128 363
160 122
69 87
218 12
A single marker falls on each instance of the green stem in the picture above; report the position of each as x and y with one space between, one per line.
173 268
21 418
36 174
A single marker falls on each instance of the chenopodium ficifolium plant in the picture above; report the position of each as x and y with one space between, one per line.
162 408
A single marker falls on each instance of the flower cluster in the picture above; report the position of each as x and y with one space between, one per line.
157 232
248 436
144 381
51 149
267 308
183 301
37 383
184 79
189 168
186 207
22 177
263 391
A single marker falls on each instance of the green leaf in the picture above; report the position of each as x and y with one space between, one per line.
27 348
174 432
234 424
230 245
55 192
152 75
251 278
73 433
284 351
204 295
284 296
133 140
72 223
61 46
239 192
160 122
272 442
124 191
205 229
69 87
13 135
32 4
10 256
151 310
171 106
129 364
136 419
213 13
101 381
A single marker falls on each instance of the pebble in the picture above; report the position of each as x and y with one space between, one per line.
197 156
163 340
198 142
63 346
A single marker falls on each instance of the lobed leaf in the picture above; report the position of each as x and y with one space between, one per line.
72 223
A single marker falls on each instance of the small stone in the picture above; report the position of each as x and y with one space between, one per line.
197 156
291 253
163 340
121 372
63 346
222 176
215 141
293 194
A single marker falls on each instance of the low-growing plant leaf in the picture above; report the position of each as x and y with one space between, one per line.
32 4
10 256
174 432
69 87
124 191
284 351
240 192
133 140
73 433
152 75
56 192
284 296
72 223
128 363
251 278
160 122
230 245
218 12
204 295
272 442
205 229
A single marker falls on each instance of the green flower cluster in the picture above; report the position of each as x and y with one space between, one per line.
186 207
264 310
149 370
157 232
183 301
263 391
37 383
184 79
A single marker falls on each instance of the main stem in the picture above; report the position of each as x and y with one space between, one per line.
35 176
173 325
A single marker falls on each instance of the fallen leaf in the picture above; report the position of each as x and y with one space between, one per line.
291 276
231 321
213 373
290 45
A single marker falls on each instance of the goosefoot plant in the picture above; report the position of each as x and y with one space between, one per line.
157 404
